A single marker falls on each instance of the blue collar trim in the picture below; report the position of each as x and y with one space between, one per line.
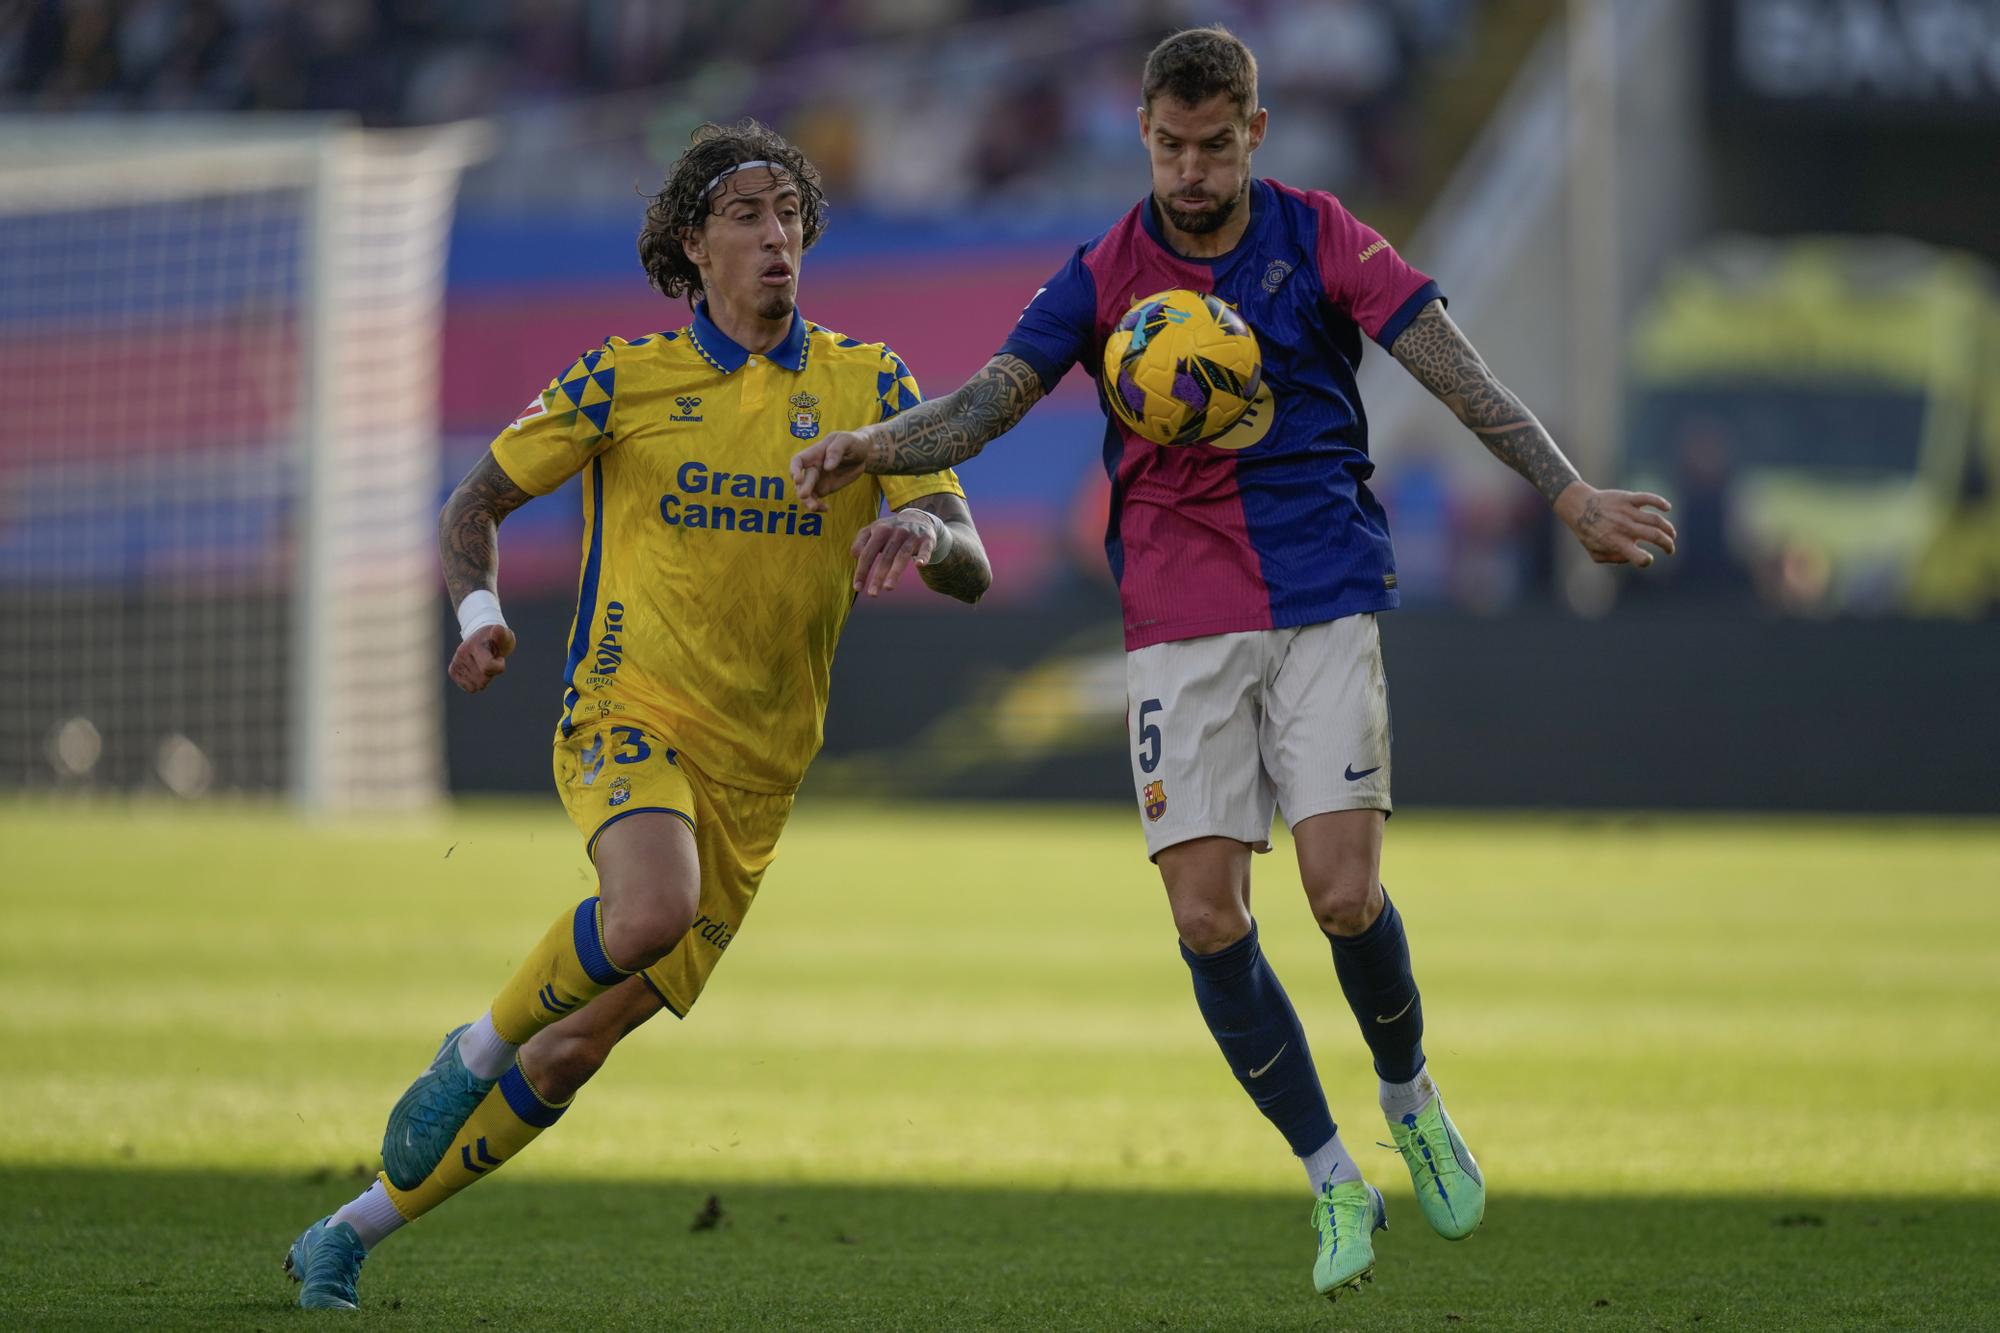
727 355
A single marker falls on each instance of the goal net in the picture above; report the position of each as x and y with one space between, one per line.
219 459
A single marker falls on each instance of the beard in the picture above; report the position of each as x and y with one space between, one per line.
776 304
1197 224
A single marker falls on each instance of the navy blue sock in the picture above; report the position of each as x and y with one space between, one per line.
1252 1021
1374 972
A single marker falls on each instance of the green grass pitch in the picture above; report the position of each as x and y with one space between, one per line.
1721 1073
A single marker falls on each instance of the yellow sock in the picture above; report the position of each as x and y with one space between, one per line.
506 1122
560 975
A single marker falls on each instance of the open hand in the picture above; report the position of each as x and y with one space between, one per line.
481 658
820 469
1611 524
885 548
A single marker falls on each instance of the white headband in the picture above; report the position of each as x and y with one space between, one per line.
709 188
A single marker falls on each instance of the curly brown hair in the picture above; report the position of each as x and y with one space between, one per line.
683 202
1195 64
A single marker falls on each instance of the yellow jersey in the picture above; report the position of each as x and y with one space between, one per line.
709 600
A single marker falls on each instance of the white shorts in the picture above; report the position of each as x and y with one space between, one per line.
1227 728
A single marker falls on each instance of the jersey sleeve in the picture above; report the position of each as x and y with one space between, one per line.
897 388
1056 329
564 427
1363 275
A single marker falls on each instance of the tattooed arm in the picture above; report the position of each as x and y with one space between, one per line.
959 568
468 527
468 530
934 530
933 435
944 432
1610 524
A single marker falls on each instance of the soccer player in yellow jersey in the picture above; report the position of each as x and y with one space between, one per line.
708 606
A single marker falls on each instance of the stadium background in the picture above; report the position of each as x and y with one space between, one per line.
1825 642
969 205
1449 124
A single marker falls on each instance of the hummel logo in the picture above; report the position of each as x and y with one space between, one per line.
1266 1067
1398 1014
1352 776
465 1156
690 409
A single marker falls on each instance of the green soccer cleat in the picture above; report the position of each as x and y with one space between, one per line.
429 1115
1450 1189
1345 1216
325 1260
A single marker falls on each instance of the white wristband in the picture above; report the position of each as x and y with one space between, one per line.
940 530
479 609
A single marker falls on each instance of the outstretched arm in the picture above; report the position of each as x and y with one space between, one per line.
468 536
930 437
1610 524
934 530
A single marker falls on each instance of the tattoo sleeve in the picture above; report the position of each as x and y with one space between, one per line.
1434 350
469 527
964 573
944 432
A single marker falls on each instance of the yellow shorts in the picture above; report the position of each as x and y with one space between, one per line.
608 772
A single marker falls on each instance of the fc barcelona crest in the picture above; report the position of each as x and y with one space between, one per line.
805 415
1156 799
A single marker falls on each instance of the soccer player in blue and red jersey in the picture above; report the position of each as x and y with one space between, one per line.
1250 570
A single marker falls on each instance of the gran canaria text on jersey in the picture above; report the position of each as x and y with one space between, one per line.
696 479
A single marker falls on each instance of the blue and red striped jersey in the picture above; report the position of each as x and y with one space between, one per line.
1272 524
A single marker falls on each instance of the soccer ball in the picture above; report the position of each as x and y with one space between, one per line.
1181 367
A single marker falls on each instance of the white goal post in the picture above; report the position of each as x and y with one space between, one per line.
219 457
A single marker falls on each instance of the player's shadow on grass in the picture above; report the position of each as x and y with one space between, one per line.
137 1248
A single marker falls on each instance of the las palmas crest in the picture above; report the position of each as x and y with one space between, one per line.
805 415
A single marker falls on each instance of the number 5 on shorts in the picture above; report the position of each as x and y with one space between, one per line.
1149 737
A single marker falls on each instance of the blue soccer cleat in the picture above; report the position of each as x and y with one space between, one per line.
1346 1217
429 1115
325 1260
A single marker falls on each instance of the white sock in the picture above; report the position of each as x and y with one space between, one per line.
372 1215
1330 1165
1401 1099
484 1053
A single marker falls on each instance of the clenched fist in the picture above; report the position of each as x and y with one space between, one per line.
481 658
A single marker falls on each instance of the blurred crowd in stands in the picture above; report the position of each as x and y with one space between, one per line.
917 105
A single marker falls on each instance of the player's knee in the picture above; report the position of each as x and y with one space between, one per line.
1210 926
1208 890
565 1062
645 922
1347 902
